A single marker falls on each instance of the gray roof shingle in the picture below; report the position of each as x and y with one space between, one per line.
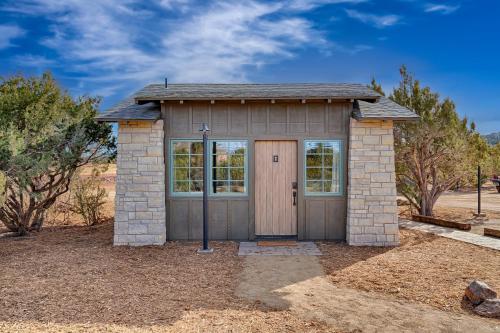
256 91
129 110
384 108
368 103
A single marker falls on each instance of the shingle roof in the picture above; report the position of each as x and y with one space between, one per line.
368 103
384 108
256 91
129 110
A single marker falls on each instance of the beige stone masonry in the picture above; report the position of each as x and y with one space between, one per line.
371 204
140 184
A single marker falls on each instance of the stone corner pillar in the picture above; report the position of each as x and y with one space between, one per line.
140 184
372 215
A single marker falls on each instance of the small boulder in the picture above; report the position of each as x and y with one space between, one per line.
478 291
489 308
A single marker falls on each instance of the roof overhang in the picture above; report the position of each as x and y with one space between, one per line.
383 109
147 112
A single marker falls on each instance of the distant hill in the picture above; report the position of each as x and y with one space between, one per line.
492 138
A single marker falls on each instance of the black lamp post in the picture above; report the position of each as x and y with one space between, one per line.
479 214
204 128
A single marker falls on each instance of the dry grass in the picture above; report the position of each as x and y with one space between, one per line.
425 268
72 279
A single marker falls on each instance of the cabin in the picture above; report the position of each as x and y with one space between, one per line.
287 161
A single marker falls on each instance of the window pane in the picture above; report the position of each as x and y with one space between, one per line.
221 147
328 147
181 147
197 161
237 148
220 160
313 147
181 161
220 187
329 186
181 173
327 174
197 186
313 174
238 187
328 160
314 186
181 186
237 160
313 160
220 174
197 148
196 174
237 174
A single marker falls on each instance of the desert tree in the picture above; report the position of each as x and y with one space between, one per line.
437 152
45 136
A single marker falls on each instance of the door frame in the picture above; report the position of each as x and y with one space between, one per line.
298 160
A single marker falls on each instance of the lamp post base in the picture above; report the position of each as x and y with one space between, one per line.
207 251
479 215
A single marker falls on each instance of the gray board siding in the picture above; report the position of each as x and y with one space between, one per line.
319 216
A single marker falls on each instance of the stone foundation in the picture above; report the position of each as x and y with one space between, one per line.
140 184
372 217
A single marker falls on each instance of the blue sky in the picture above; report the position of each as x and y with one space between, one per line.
112 48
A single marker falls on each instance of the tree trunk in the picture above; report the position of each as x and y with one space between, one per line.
426 206
38 222
22 231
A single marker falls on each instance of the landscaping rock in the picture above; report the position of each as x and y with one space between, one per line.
489 308
478 291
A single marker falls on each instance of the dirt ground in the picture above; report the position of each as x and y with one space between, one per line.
69 278
298 283
490 199
72 279
426 269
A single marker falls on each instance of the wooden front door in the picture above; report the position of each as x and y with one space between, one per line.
275 188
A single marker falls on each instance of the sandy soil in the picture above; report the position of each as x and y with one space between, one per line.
71 279
426 269
298 283
490 199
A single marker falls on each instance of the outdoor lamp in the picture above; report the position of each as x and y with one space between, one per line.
204 128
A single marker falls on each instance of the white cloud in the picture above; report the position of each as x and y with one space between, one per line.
440 8
118 45
173 5
32 60
378 21
311 4
8 33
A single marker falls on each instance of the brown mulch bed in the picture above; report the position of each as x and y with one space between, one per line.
73 279
425 268
452 213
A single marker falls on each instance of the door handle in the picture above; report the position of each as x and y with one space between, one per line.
294 194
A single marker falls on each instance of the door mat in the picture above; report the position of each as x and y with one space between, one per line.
277 243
